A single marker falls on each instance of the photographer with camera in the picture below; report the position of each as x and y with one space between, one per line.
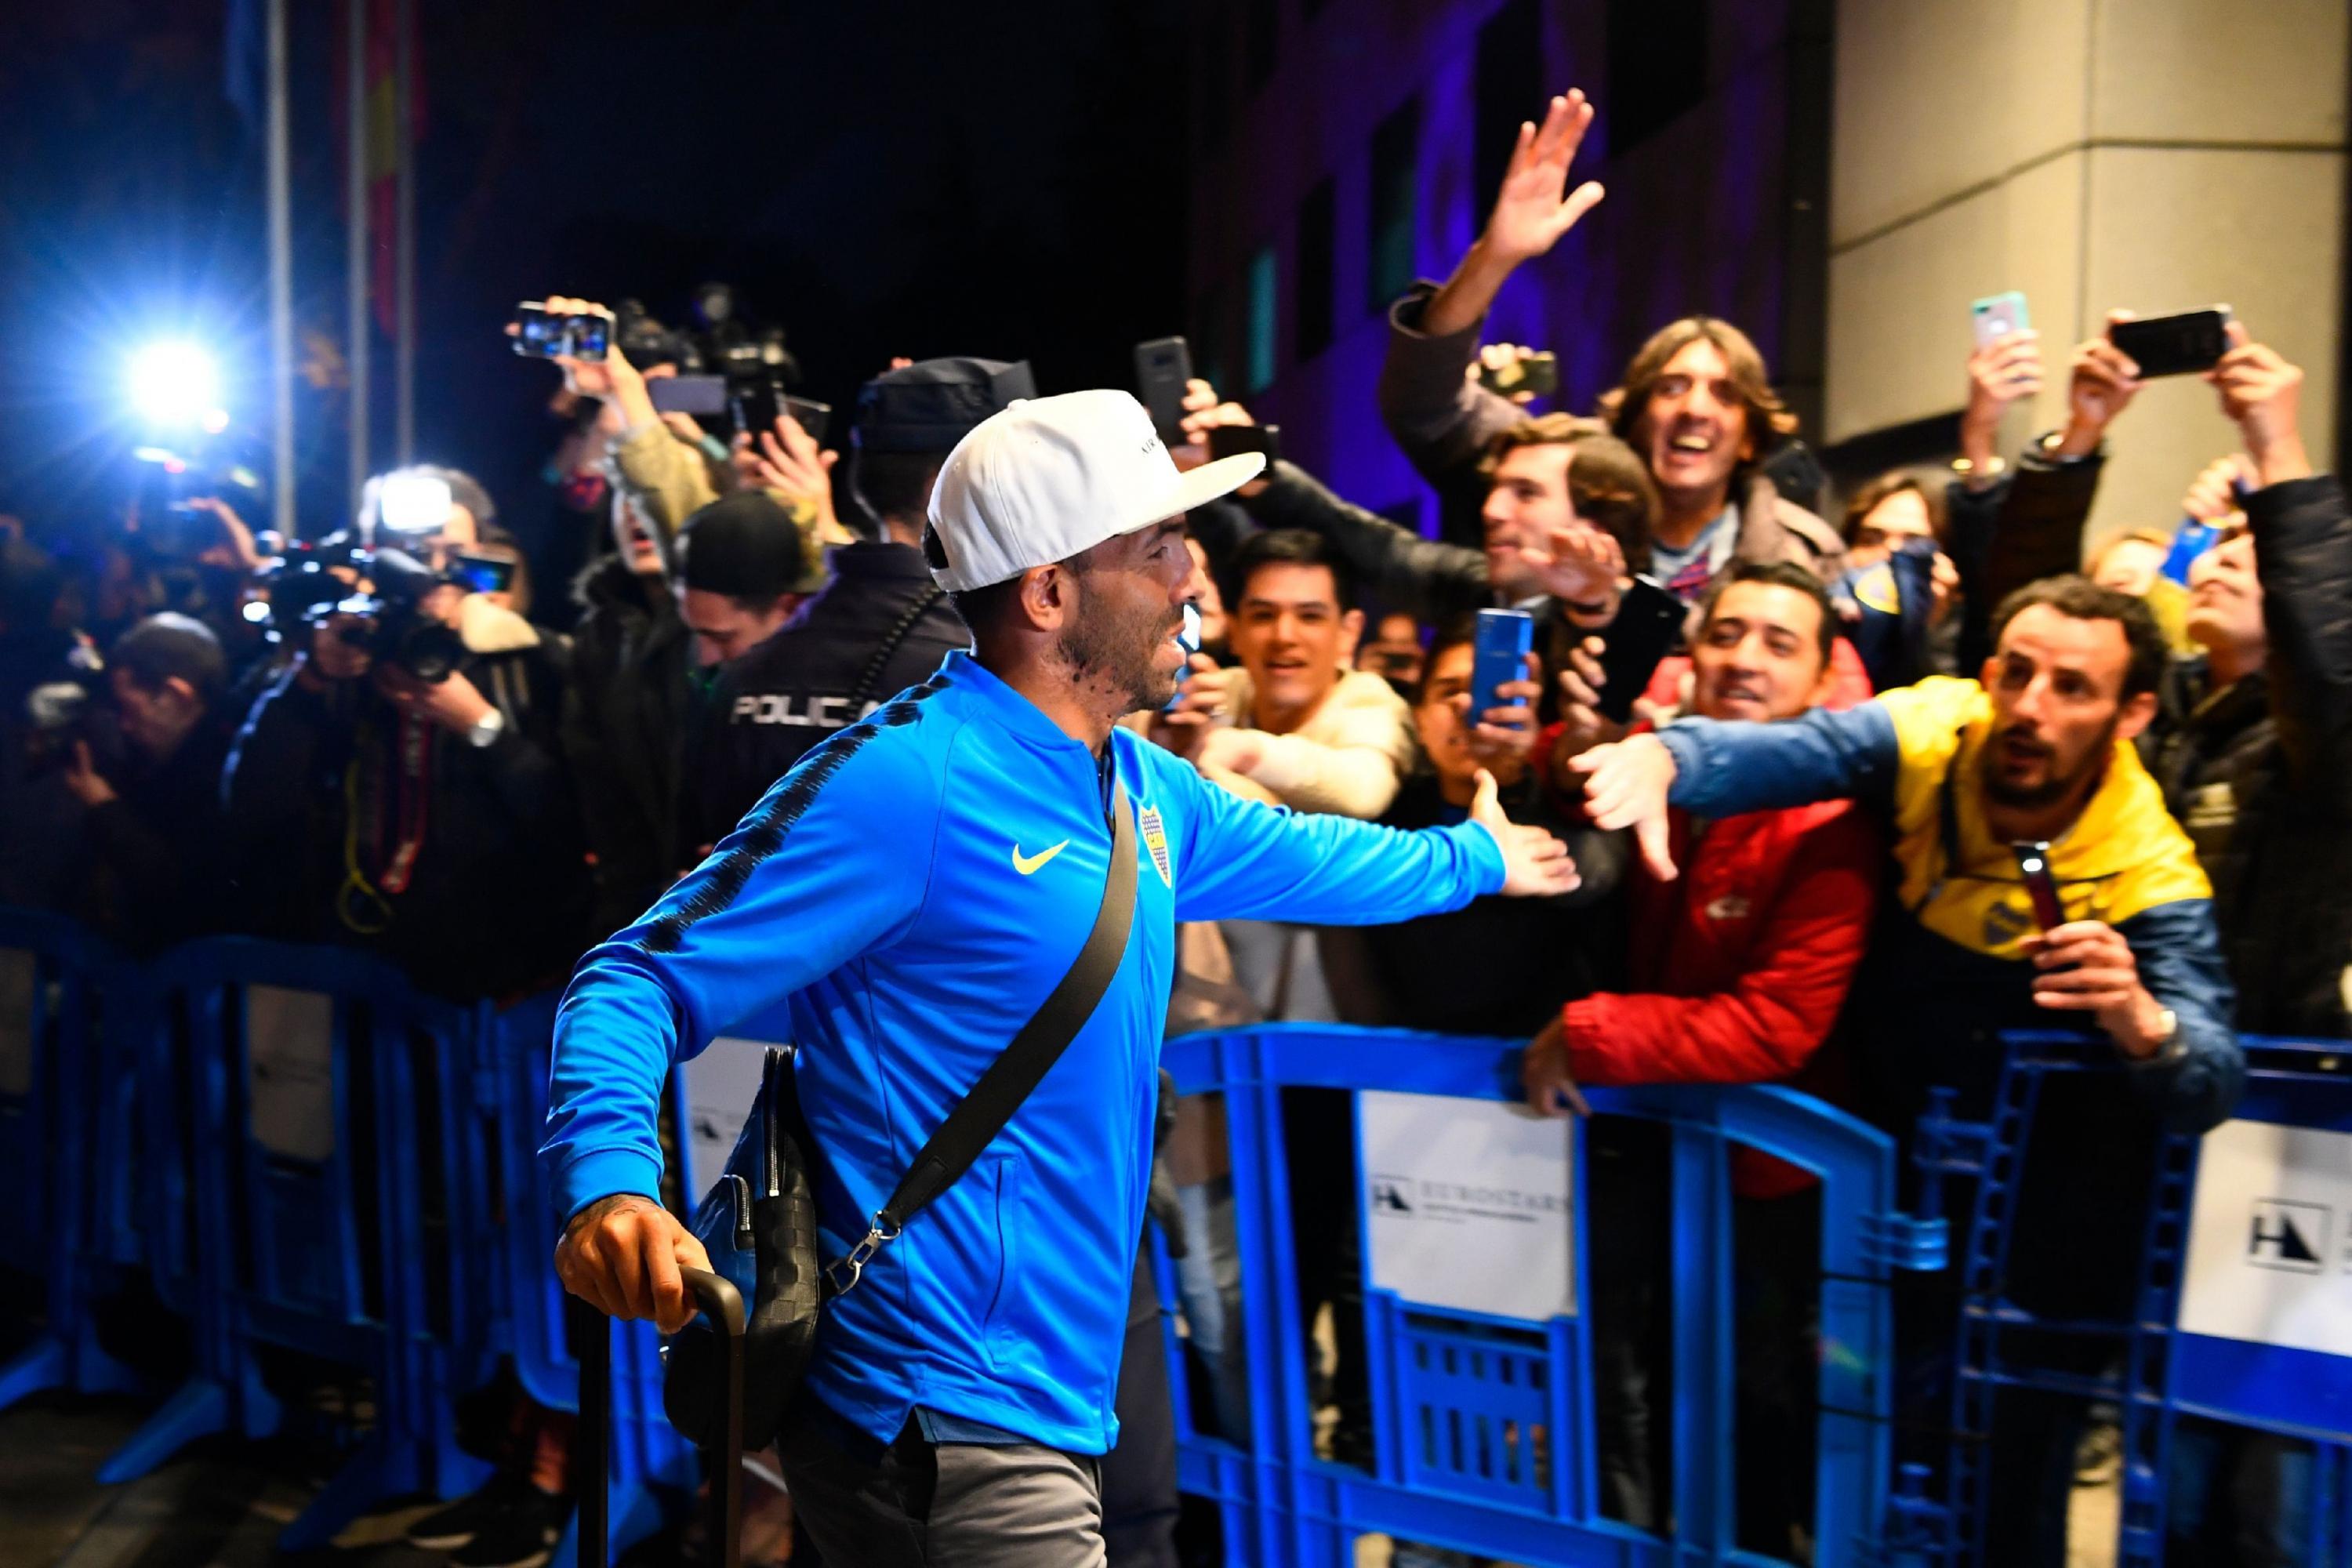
38 813
400 786
149 863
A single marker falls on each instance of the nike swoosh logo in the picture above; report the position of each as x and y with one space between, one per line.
1027 864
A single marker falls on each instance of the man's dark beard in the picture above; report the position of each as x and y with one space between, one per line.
2024 798
1102 645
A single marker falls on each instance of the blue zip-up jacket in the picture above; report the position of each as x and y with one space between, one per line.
910 891
1961 969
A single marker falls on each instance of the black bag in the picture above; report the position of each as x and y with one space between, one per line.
758 1220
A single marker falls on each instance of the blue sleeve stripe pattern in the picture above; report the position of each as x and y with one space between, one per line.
762 833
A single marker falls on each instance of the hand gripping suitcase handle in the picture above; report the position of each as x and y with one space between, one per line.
592 1338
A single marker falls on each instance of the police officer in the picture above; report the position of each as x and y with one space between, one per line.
882 624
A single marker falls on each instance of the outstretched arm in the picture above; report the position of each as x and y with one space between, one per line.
1439 417
1716 768
1243 860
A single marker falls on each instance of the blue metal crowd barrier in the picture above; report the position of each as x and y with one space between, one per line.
1514 1478
391 1221
2161 1373
66 1130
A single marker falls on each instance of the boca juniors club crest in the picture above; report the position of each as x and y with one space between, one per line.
1155 840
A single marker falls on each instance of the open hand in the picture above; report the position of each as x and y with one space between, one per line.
1535 864
1575 563
1535 207
1625 786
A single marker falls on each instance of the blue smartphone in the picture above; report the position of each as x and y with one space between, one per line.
1504 639
1188 637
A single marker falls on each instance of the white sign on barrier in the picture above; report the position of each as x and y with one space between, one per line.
2269 1238
1469 1203
721 1085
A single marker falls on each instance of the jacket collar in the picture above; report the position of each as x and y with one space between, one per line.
988 693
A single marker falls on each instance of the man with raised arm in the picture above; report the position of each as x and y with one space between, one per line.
910 891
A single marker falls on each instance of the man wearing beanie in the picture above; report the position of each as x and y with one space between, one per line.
745 567
881 626
912 893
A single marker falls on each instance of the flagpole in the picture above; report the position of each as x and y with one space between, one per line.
281 282
404 87
356 238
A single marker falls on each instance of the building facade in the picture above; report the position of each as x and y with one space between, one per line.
1838 177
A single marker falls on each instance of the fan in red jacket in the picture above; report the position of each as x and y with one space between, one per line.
1739 966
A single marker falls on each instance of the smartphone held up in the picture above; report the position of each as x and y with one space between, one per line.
541 333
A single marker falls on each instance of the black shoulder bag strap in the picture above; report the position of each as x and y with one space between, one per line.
982 1113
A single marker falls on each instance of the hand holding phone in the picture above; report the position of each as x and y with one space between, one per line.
1998 316
1503 640
1163 368
1649 624
2185 344
2041 886
540 332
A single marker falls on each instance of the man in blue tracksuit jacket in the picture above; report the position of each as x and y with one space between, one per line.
911 891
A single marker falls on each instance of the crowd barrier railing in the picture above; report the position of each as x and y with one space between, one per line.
2240 1316
302 1153
1483 1424
67 1124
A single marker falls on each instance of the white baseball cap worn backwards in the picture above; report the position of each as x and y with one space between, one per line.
1047 478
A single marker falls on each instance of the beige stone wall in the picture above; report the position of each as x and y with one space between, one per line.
2157 154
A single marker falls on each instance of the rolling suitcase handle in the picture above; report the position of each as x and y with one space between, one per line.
592 1338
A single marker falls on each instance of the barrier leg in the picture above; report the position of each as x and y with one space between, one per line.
378 1469
200 1408
42 1365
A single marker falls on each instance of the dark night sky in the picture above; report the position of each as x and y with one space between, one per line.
882 178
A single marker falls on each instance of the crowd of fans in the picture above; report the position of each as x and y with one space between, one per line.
1796 848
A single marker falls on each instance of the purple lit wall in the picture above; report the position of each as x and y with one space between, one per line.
1695 218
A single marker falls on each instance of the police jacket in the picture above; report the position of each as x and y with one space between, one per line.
908 894
879 627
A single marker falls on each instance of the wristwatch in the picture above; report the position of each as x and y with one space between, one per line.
486 728
2169 1045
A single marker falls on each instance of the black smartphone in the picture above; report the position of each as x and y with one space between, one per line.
2033 867
1162 367
2175 345
482 574
1649 623
699 395
1233 440
813 416
1537 374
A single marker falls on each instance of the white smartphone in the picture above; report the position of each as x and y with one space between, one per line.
1997 315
